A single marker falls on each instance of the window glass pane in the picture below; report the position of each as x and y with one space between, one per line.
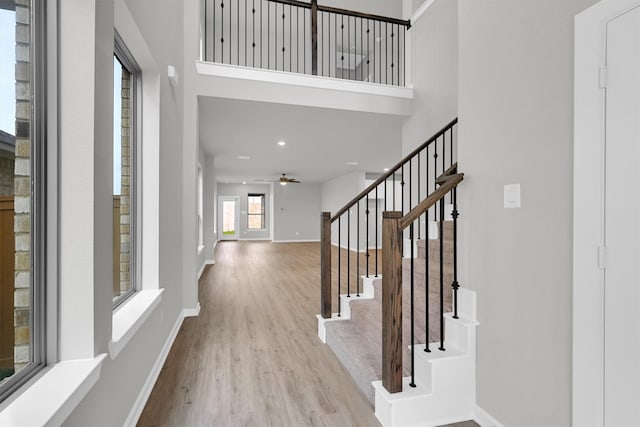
16 147
255 218
123 180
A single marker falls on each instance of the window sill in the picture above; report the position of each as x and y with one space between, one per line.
55 394
128 318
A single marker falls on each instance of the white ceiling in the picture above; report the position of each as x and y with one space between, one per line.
319 140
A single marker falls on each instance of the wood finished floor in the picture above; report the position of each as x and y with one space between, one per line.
253 357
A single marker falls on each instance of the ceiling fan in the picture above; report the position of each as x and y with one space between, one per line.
284 180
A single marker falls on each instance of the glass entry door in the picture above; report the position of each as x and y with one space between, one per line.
230 218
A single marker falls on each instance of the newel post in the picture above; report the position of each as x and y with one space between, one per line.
325 265
314 37
392 301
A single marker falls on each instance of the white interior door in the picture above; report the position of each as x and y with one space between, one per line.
230 217
622 223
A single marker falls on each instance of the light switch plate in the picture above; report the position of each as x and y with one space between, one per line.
512 196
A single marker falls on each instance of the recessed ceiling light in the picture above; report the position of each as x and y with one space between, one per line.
352 163
244 182
282 143
243 157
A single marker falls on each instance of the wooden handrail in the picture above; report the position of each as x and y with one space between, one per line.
406 23
449 183
393 170
293 3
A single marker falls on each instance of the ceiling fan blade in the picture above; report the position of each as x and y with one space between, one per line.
294 181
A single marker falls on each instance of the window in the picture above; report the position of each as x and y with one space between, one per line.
200 196
125 179
255 218
22 209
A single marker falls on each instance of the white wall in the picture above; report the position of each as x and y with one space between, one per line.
242 191
516 120
297 212
434 53
110 401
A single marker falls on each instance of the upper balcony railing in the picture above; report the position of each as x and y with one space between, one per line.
299 37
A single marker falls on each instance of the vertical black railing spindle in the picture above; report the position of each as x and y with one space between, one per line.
376 231
455 285
413 344
367 231
441 241
349 253
358 251
339 269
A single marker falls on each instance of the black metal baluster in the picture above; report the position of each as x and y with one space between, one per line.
394 190
237 31
361 52
245 33
335 42
268 36
358 251
385 194
368 55
404 57
426 254
348 44
275 44
367 231
455 285
349 253
386 53
397 59
206 30
339 259
413 343
441 238
222 32
297 40
253 32
376 231
322 44
290 40
392 54
402 189
261 38
284 38
374 51
418 200
342 42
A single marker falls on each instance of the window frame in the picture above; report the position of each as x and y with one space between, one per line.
38 202
263 214
126 59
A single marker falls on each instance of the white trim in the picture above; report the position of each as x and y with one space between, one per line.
249 239
128 318
191 312
305 80
421 10
483 418
354 248
145 392
204 265
297 241
588 228
50 399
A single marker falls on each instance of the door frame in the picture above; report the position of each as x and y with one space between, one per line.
221 200
588 210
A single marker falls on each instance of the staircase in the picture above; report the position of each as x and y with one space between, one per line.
408 385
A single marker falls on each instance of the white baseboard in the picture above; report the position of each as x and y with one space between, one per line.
204 265
145 392
483 418
257 239
191 312
296 241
